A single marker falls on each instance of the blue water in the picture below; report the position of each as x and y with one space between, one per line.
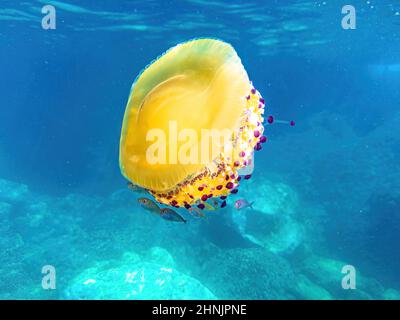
326 192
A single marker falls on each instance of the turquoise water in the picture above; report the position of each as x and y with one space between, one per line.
326 192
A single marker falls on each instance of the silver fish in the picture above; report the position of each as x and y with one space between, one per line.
171 215
136 188
242 204
196 212
149 205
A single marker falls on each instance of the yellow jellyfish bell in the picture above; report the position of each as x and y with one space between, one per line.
196 92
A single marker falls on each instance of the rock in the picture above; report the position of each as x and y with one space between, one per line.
129 258
4 209
325 271
328 273
248 273
275 233
12 191
269 197
36 214
391 294
306 289
136 279
161 256
272 222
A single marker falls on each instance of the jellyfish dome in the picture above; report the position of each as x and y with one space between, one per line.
196 92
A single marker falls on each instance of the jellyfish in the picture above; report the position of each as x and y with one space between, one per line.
194 88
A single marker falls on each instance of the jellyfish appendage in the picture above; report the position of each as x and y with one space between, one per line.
271 119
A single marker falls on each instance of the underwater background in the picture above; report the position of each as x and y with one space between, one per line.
326 192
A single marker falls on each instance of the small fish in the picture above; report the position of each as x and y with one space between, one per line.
215 203
149 205
195 212
242 204
136 188
171 215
